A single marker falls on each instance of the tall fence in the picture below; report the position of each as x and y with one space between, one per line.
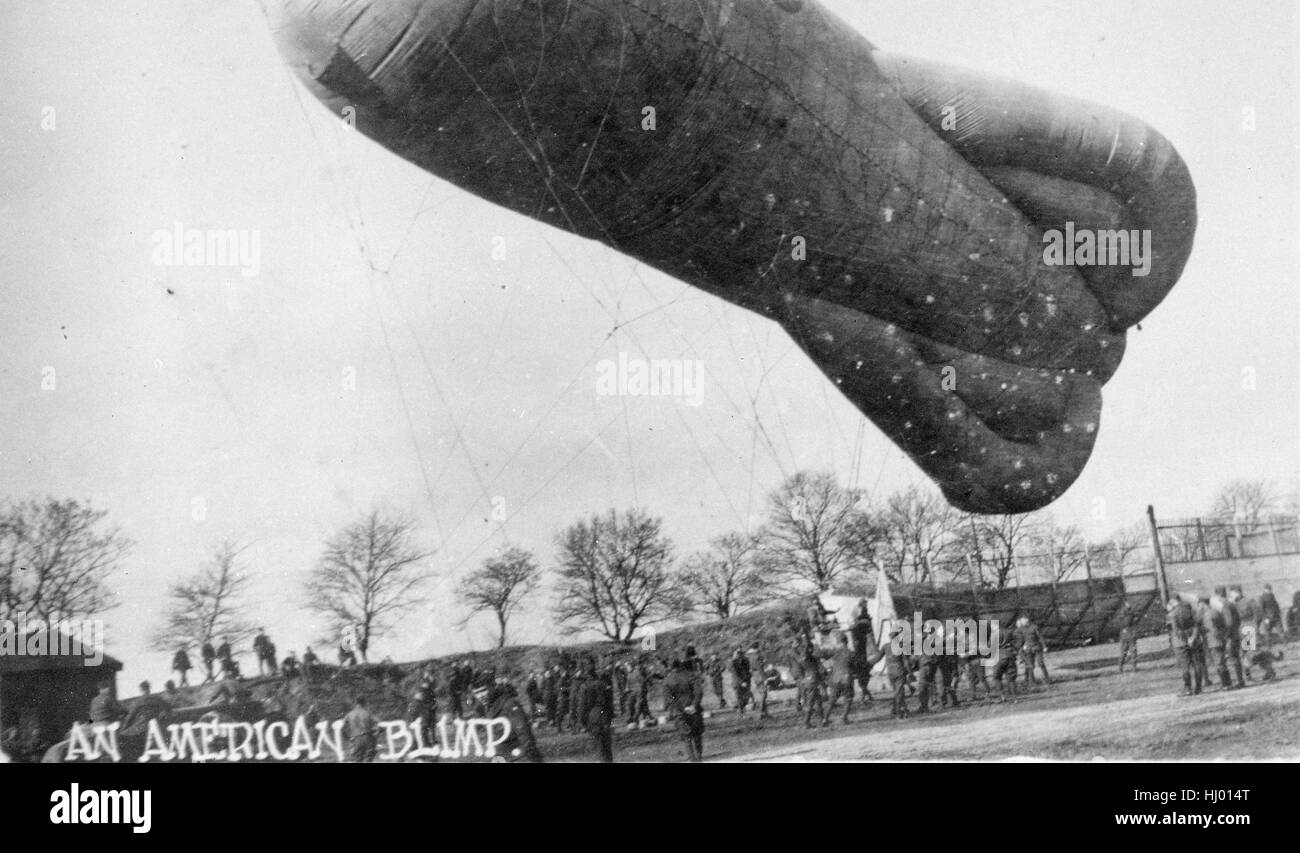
1190 540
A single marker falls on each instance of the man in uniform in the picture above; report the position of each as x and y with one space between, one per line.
595 714
500 701
1215 631
1004 671
621 692
740 676
309 661
841 680
551 696
209 655
758 680
533 693
290 668
797 671
361 730
181 664
862 640
1128 649
683 701
1032 649
896 669
814 685
1183 632
150 706
716 671
1269 608
1232 625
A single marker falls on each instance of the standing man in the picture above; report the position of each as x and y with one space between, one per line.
814 685
181 664
1032 649
758 678
1182 635
797 671
362 732
1004 671
309 661
500 701
740 675
595 697
550 696
1269 609
259 650
716 671
1128 649
841 680
1232 625
683 701
621 692
533 692
209 655
862 643
1214 629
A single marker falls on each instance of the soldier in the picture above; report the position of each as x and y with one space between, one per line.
309 661
500 701
229 669
927 672
797 671
1232 632
1269 608
424 703
896 669
621 692
1032 649
595 711
1128 649
1004 671
181 664
533 693
574 713
975 676
814 686
362 732
1183 632
861 640
290 668
716 672
683 703
949 672
758 678
150 706
1215 631
259 650
841 680
740 676
550 696
208 654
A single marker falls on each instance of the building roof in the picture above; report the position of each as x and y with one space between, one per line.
12 663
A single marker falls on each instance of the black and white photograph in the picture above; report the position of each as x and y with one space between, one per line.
442 382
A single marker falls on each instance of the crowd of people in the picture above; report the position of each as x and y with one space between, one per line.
1226 635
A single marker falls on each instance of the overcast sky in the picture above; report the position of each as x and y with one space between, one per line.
383 355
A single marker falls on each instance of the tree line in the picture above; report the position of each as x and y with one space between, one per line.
615 572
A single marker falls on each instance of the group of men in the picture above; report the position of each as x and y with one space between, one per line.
1225 635
224 656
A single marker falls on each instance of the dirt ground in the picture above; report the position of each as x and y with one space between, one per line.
1089 712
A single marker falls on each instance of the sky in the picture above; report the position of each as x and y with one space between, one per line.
403 344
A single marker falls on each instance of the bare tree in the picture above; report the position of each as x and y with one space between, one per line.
810 539
56 559
920 530
500 586
613 575
209 604
1245 503
370 573
729 578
